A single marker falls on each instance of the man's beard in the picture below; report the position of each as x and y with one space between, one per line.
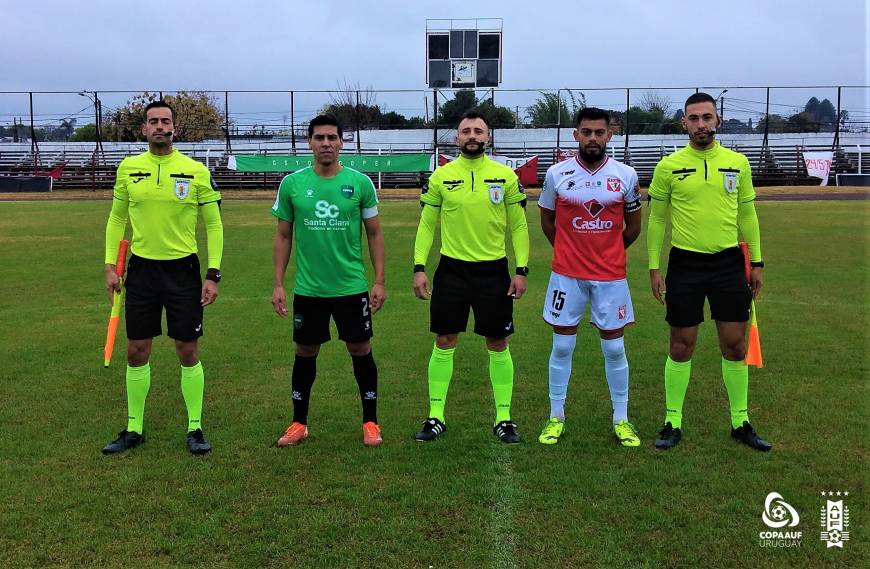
163 142
706 138
592 156
476 152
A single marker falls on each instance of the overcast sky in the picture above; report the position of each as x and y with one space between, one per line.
218 45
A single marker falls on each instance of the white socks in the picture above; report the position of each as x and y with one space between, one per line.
560 372
616 370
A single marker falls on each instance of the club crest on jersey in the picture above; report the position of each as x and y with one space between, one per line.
730 179
614 185
182 188
347 191
496 194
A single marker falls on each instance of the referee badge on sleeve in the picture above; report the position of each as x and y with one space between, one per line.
496 194
182 188
730 182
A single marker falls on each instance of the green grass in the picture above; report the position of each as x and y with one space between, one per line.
466 501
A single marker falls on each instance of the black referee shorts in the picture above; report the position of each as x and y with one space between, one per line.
154 285
480 286
719 277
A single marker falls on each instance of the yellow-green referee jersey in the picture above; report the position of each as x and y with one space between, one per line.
162 196
710 196
476 199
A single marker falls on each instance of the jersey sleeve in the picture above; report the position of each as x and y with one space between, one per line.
431 193
206 189
660 187
368 197
283 206
122 178
513 190
745 189
547 199
631 193
655 231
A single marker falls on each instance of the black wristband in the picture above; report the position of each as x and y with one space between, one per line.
523 271
757 264
213 275
419 268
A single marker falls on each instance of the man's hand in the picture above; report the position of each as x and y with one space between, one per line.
378 297
209 292
113 283
756 280
279 301
421 285
657 285
519 284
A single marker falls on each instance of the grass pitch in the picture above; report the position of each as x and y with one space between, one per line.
465 501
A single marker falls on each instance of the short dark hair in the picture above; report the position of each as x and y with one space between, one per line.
592 114
161 104
324 120
699 98
474 114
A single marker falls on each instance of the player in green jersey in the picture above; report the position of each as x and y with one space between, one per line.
324 208
708 192
162 192
476 199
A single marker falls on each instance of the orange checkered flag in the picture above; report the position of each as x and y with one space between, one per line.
118 302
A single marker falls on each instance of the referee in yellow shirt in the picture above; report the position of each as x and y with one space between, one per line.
708 192
162 192
476 199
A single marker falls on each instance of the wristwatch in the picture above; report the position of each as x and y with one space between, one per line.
213 275
419 268
523 271
757 264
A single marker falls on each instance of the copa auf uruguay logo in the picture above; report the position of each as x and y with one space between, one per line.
778 514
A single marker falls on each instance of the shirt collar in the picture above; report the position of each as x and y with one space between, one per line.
162 159
704 154
472 164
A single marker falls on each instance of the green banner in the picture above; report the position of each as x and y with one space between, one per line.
362 162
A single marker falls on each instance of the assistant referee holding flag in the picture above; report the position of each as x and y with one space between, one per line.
708 190
162 192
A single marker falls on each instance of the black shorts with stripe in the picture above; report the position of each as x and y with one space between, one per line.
153 285
479 286
718 277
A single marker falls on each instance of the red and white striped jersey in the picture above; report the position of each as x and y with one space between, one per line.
590 208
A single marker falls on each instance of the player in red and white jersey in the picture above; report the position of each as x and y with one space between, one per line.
590 212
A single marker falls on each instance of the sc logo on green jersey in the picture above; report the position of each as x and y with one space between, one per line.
324 209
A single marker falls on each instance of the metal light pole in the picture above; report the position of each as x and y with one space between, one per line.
98 111
721 98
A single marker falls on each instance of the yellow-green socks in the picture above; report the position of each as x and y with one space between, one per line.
676 382
736 378
138 382
192 387
501 375
440 372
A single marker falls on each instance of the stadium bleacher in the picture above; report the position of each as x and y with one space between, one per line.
87 168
